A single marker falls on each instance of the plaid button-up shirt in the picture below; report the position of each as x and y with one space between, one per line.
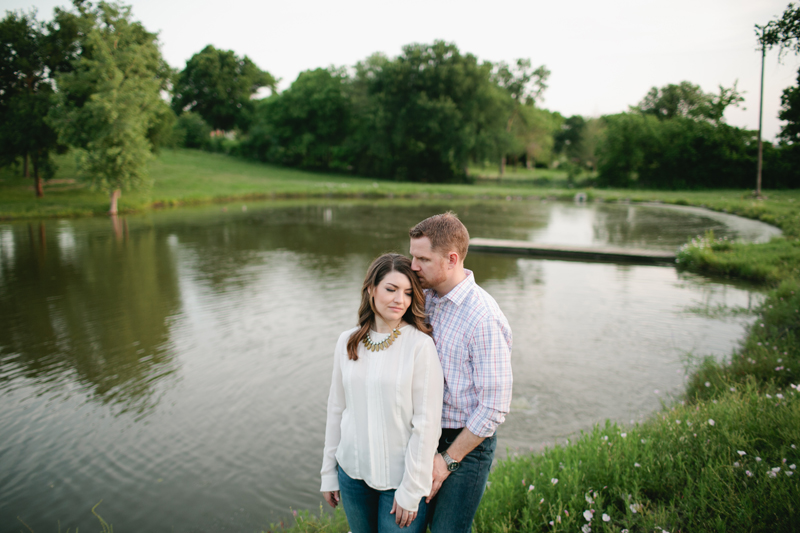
473 340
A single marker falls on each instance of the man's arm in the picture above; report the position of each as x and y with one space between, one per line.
464 443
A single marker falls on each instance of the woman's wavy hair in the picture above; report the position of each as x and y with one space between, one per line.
414 315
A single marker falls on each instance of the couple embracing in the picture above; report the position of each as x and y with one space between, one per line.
419 387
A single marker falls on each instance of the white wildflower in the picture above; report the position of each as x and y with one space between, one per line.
606 518
711 422
587 515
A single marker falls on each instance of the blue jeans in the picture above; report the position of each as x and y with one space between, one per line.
456 503
368 509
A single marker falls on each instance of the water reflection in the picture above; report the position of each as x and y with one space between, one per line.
93 310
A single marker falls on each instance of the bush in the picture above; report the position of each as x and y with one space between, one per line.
191 131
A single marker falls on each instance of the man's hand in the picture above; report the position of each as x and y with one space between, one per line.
402 517
332 497
440 473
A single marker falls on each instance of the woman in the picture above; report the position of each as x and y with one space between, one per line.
385 406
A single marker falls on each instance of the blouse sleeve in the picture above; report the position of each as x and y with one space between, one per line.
333 426
426 427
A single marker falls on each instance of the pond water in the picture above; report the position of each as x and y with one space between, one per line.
176 364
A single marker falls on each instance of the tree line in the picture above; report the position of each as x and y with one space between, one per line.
93 80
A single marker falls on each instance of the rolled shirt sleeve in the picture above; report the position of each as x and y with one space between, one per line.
490 352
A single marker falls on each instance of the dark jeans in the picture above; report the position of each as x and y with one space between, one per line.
454 507
368 509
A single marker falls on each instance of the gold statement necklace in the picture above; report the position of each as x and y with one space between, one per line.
372 346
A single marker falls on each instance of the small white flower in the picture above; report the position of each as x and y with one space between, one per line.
779 395
635 507
541 501
587 515
589 499
736 464
558 519
624 531
776 469
740 452
708 383
792 466
677 421
606 518
768 396
530 488
637 465
771 474
554 481
711 422
586 529
794 447
643 441
551 522
733 389
749 473
788 473
758 459
623 435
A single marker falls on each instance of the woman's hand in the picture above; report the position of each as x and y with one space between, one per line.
332 497
402 517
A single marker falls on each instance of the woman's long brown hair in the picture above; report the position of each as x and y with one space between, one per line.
414 315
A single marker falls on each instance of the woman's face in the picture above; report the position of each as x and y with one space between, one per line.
392 297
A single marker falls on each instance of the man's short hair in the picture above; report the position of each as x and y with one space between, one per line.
446 233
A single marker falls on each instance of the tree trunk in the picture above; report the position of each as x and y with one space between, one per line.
502 166
113 197
25 173
38 178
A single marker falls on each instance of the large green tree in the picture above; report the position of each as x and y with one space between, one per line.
30 52
306 125
524 86
421 114
689 101
109 105
219 85
783 31
790 112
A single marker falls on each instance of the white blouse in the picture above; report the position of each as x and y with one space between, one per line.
384 416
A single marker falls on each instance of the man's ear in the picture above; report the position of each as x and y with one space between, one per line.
452 260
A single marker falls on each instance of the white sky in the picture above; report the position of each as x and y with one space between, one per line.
603 55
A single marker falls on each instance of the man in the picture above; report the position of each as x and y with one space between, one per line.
473 340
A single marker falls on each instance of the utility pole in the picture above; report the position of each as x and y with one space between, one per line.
760 116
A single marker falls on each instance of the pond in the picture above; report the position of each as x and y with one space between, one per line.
176 364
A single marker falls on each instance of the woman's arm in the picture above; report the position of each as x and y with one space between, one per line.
426 426
333 426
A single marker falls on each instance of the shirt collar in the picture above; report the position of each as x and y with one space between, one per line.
458 293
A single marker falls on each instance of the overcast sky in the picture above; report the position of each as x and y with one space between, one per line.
603 55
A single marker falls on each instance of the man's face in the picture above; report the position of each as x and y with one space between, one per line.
430 266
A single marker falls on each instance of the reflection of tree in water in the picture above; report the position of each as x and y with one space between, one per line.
94 308
646 227
228 244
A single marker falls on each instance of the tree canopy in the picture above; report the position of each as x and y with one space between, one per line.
783 31
219 86
30 52
110 103
687 100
